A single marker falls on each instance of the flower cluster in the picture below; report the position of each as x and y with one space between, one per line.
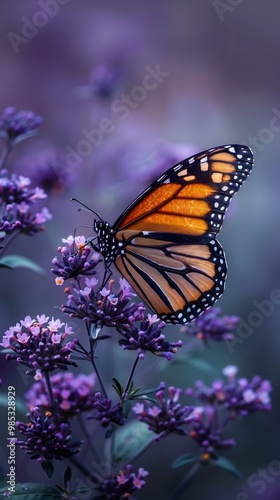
169 416
38 344
43 440
207 434
210 325
73 395
103 82
238 396
16 199
147 337
103 307
106 412
14 124
76 261
123 484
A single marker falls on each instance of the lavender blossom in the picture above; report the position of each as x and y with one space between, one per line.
210 325
16 200
147 337
43 440
76 261
103 307
207 434
169 416
104 82
238 396
106 412
73 395
38 344
14 124
122 485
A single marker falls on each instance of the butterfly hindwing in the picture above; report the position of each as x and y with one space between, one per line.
177 278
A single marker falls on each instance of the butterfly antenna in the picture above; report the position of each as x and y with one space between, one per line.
86 207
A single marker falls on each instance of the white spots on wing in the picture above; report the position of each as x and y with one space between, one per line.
177 167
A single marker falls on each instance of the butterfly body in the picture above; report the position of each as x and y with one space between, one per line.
165 244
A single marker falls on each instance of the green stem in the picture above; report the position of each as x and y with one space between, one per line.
103 390
52 400
4 156
93 344
131 375
49 386
186 480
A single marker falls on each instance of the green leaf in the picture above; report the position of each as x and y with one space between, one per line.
23 137
147 391
14 261
82 489
186 459
21 407
226 464
48 468
33 491
130 441
197 363
118 387
127 405
146 398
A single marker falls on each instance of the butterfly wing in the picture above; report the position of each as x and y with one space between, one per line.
167 235
178 278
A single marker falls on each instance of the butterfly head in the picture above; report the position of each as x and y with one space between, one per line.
106 240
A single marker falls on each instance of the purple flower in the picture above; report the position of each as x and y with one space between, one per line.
106 412
45 165
210 325
169 416
207 434
104 82
15 123
76 261
38 344
43 440
30 223
147 337
243 397
73 395
122 485
238 396
16 199
103 307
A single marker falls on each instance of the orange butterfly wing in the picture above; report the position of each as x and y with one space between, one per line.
166 238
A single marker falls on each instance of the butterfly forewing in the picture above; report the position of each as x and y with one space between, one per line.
165 242
191 197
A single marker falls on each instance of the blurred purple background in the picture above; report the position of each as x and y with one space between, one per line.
221 85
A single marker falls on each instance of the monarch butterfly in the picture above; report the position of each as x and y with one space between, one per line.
164 243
